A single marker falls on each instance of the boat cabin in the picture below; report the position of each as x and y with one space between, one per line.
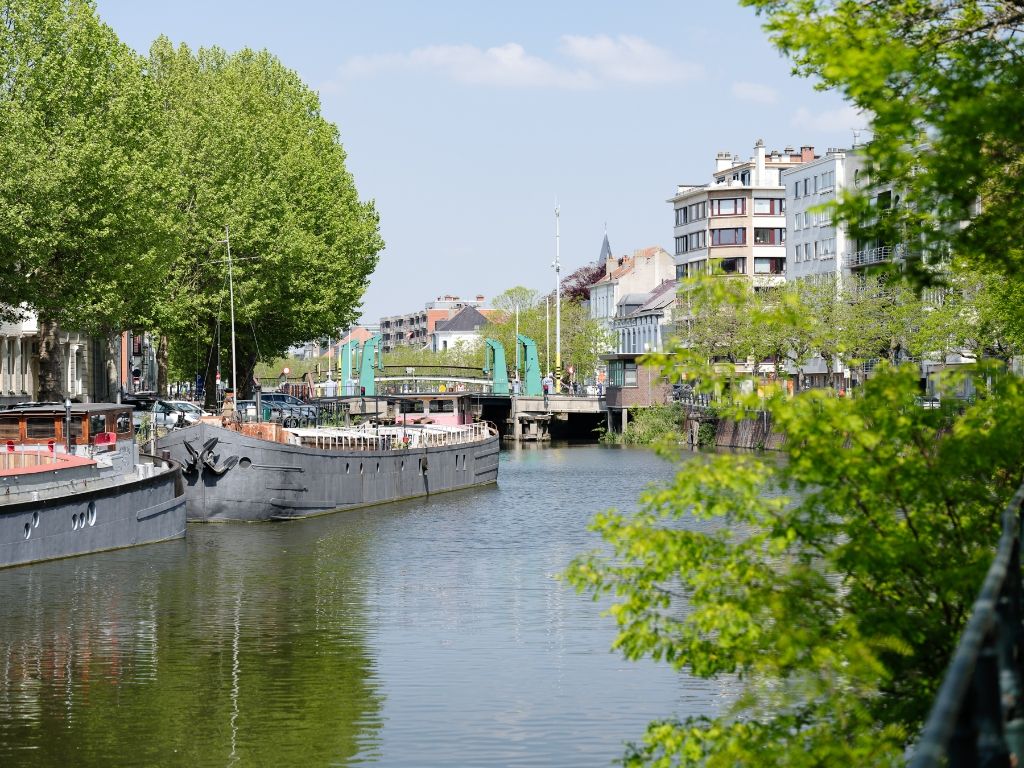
90 424
452 409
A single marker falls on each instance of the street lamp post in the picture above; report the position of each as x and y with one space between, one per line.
558 307
67 424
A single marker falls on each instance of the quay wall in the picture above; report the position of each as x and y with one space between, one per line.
757 432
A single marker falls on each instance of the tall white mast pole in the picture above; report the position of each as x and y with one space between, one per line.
558 307
517 341
231 294
547 333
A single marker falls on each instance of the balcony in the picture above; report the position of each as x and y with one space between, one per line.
878 255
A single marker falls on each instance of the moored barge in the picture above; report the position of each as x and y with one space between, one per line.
73 482
236 471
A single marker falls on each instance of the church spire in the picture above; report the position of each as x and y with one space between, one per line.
606 249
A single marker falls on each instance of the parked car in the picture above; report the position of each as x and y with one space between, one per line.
292 410
187 407
928 402
165 414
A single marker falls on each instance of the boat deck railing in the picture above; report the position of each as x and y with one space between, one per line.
369 438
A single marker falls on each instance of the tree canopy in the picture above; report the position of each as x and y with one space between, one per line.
83 235
253 157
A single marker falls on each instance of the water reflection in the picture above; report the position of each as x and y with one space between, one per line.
428 633
244 646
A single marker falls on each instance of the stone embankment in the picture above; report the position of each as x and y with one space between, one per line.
703 427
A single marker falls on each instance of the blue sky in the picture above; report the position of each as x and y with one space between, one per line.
466 121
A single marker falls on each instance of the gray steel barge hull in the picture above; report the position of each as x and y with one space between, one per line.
113 516
249 479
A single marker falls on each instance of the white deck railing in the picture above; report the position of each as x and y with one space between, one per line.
368 438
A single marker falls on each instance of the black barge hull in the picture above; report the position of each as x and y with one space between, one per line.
230 476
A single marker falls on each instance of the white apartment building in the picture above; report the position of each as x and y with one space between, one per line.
644 322
737 224
640 273
816 245
19 362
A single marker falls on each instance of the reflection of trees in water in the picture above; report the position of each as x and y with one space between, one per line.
247 647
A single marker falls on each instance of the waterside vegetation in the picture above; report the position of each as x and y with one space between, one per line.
833 585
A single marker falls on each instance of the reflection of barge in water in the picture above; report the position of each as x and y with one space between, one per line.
253 472
101 495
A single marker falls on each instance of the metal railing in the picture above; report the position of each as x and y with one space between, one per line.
977 718
370 438
879 255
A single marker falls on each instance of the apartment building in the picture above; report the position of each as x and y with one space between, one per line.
82 375
816 245
638 273
736 224
416 328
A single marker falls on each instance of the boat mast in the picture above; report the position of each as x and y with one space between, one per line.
231 294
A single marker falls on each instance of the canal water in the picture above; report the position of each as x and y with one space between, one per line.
428 633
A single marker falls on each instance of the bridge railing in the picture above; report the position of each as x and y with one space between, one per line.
978 714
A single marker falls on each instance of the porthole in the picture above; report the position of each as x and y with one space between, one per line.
28 530
74 522
245 462
346 467
35 519
378 467
360 467
403 465
92 513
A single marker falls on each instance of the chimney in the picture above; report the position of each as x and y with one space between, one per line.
479 298
806 154
723 160
759 174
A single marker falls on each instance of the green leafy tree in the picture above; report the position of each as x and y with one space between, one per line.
834 584
253 157
939 83
583 339
82 226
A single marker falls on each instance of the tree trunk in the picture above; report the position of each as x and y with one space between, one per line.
161 367
210 370
246 386
113 360
51 383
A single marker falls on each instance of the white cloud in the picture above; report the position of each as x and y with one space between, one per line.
590 62
755 92
627 59
842 119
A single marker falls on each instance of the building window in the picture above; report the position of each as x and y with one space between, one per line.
728 206
681 244
696 211
621 373
769 236
736 266
731 236
695 268
805 187
769 266
680 271
796 190
745 178
769 206
680 216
